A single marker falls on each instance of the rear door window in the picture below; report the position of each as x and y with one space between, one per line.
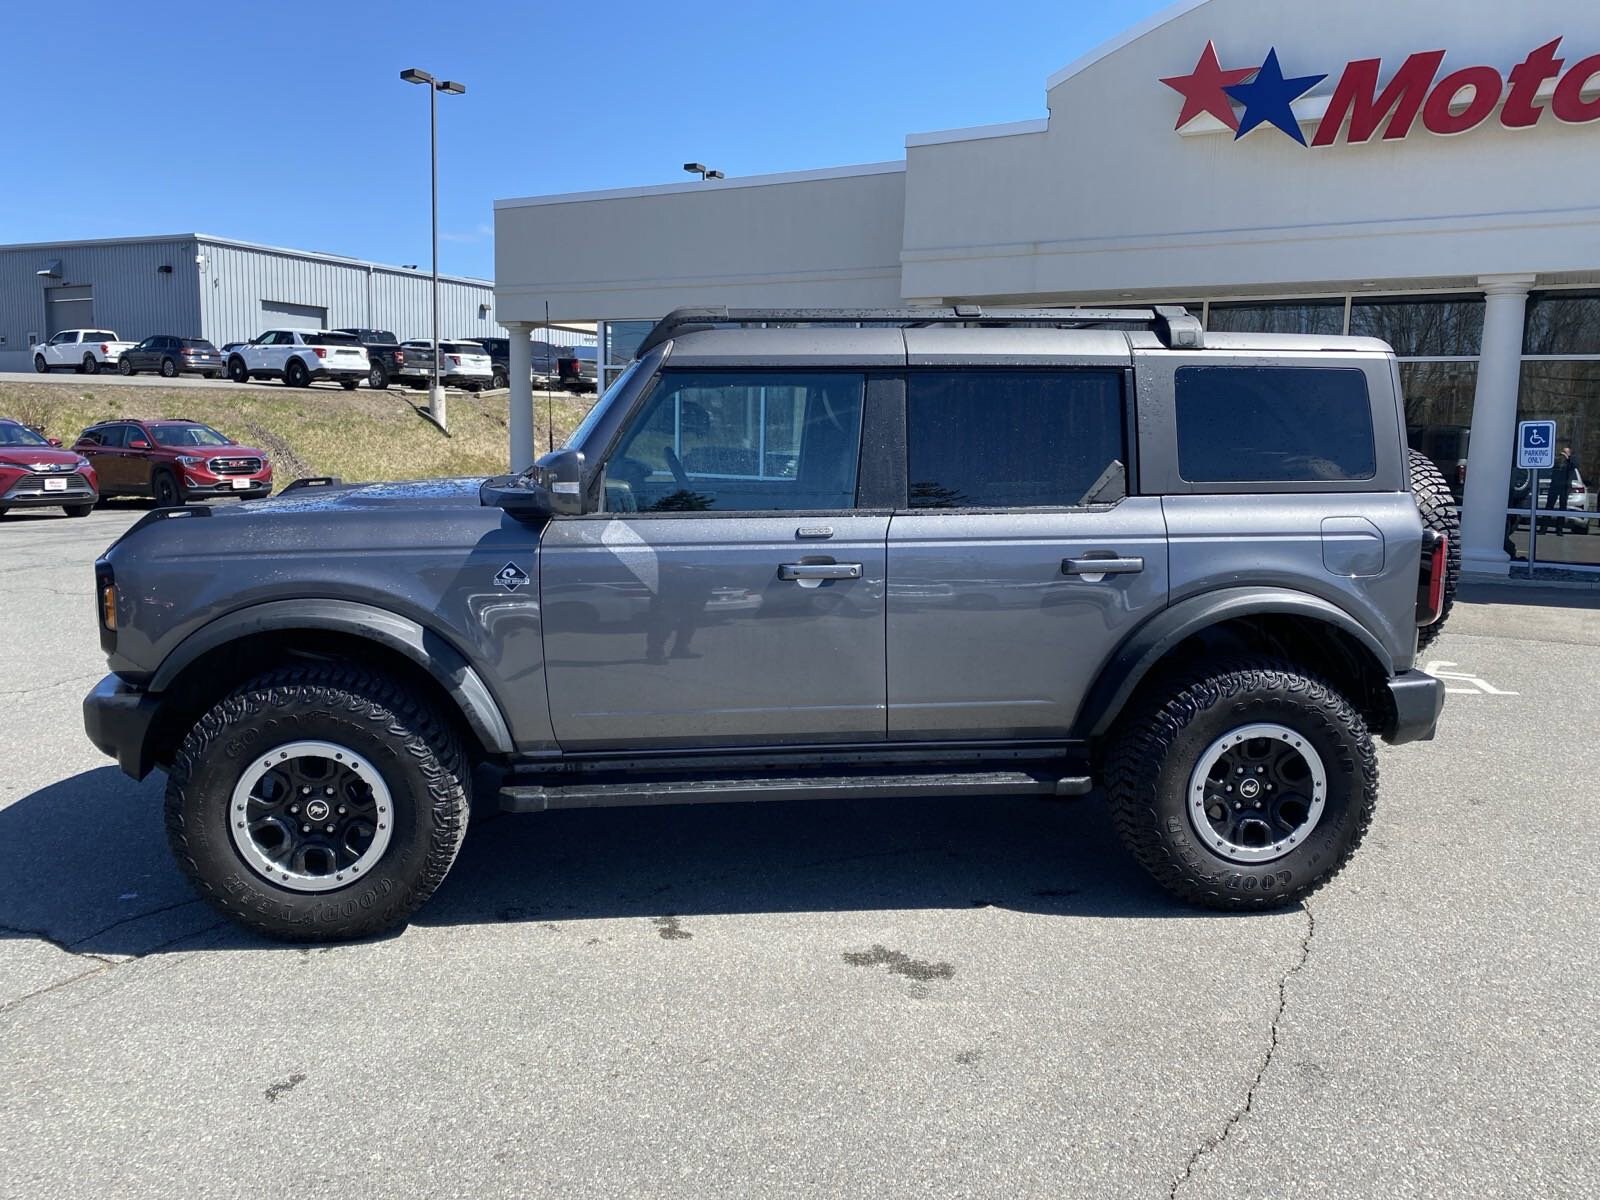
747 441
1015 439
1274 425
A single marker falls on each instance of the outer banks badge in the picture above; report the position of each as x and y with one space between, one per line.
511 577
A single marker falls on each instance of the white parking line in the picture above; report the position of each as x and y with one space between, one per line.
1476 686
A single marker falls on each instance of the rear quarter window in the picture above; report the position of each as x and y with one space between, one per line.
1274 425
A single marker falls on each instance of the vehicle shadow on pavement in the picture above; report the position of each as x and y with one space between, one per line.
84 864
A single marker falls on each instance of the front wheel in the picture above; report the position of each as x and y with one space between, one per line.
318 803
40 365
237 372
79 510
1247 787
125 367
167 492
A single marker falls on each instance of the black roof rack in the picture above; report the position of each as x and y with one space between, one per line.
1177 328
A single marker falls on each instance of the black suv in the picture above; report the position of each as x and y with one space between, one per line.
545 365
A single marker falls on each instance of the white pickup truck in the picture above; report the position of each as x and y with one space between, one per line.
85 350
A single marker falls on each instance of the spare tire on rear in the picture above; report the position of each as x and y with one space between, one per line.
1439 512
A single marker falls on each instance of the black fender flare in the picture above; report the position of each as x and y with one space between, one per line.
421 645
1147 645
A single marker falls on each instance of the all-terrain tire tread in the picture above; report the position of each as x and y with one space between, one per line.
1139 751
365 695
1437 505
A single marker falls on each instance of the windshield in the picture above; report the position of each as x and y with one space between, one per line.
20 435
581 433
188 434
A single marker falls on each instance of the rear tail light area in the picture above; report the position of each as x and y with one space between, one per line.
105 348
1430 580
105 591
455 359
320 351
399 357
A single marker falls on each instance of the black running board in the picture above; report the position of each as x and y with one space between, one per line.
728 789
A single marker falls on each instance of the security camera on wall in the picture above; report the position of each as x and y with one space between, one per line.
200 260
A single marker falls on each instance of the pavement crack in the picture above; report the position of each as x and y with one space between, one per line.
65 947
1216 1140
138 916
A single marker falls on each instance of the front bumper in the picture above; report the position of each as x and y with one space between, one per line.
29 491
117 717
224 487
1417 699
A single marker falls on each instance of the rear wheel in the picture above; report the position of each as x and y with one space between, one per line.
125 367
236 371
1248 787
1439 513
169 369
295 374
318 802
501 378
377 377
167 491
89 365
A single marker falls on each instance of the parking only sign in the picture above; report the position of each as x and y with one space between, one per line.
1536 445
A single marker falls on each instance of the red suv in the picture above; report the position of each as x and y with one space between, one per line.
34 473
173 461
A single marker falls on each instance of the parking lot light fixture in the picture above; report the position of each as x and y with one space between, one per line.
449 87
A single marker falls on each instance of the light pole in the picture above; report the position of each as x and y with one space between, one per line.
703 171
450 88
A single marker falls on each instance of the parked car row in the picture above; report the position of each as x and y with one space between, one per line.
168 461
300 357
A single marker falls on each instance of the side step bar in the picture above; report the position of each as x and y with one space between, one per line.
631 791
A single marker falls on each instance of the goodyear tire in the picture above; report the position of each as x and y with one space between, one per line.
1439 512
1245 788
399 769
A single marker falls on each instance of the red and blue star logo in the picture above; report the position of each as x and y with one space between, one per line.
1264 93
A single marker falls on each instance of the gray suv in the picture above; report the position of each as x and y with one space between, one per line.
818 553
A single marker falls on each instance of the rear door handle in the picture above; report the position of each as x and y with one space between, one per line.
1090 565
803 571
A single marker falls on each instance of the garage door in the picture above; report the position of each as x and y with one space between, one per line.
297 316
68 308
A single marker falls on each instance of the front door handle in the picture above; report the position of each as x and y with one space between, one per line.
798 572
1090 565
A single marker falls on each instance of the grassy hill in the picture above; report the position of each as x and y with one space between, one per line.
359 435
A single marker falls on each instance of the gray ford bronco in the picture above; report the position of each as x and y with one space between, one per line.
816 553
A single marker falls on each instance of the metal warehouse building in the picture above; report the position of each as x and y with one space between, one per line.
196 285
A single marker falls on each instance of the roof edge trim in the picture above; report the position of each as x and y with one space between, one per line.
1125 38
710 185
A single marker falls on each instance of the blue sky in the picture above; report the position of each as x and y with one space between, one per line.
287 123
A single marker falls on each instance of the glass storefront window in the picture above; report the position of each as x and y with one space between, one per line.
1438 400
622 340
1422 326
1563 323
1567 393
1311 316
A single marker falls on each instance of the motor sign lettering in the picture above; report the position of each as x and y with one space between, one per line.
1536 445
1367 103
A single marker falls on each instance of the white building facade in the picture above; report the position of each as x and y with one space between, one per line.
1425 174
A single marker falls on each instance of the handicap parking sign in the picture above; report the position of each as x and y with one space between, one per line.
1536 445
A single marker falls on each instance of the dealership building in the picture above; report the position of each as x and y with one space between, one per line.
196 285
1426 174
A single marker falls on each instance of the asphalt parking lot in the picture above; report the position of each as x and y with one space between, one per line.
146 379
981 998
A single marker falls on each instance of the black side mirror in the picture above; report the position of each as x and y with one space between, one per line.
552 487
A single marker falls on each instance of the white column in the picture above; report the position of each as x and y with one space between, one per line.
520 417
1494 426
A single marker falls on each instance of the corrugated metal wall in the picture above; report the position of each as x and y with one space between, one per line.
131 295
236 280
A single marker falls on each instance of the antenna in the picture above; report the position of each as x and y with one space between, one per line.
549 398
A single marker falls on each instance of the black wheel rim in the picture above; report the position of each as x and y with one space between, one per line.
311 816
1257 793
166 491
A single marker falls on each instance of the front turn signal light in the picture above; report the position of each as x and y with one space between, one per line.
108 606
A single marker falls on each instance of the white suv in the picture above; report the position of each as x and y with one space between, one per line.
299 357
464 365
